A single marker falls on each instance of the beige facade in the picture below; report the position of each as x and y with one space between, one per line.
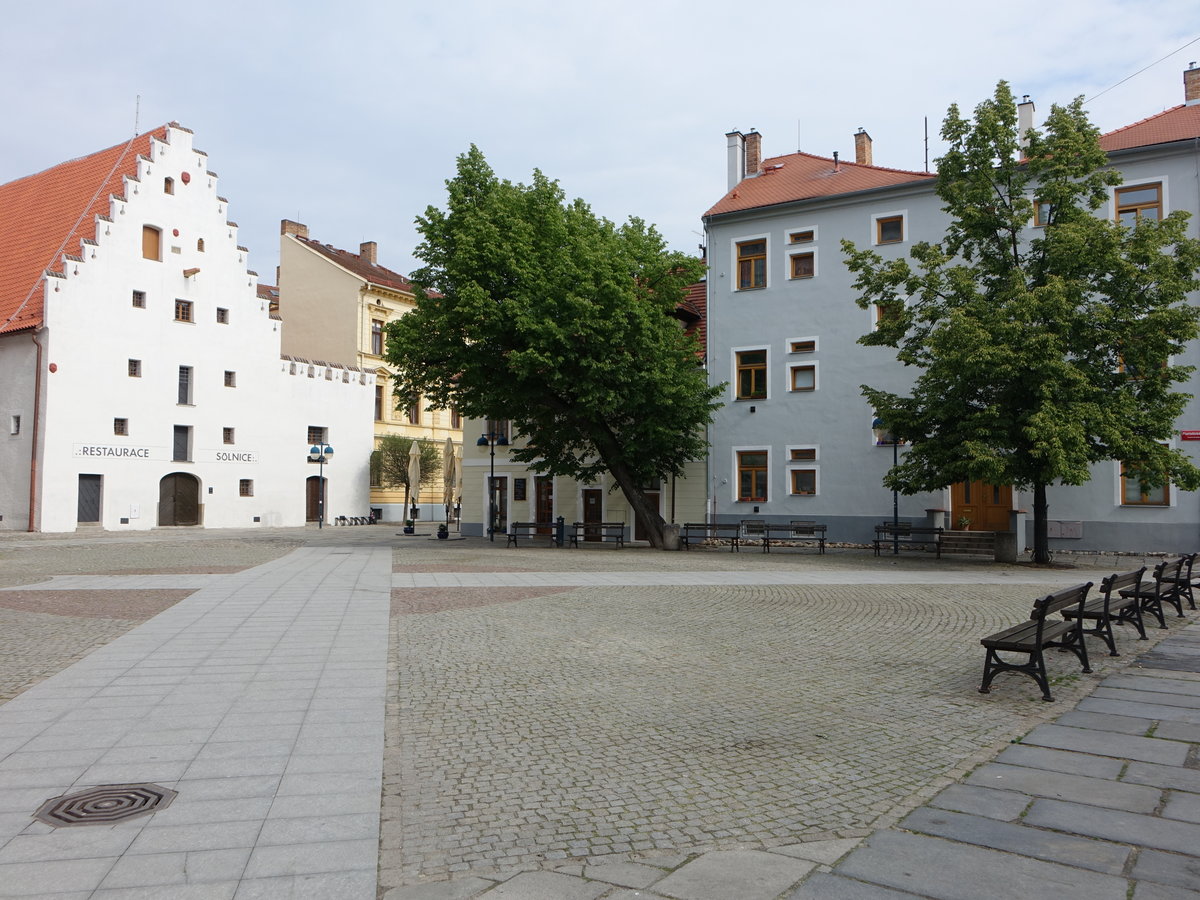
336 304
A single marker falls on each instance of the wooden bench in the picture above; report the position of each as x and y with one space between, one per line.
909 535
531 531
1033 636
1165 589
1116 602
795 532
710 531
612 532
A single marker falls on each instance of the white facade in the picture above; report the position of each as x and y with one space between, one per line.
164 375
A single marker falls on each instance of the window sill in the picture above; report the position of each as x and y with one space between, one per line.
757 287
749 399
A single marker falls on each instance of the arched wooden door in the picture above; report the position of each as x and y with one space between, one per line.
179 499
987 506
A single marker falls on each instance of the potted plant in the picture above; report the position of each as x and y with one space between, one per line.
408 527
964 523
443 532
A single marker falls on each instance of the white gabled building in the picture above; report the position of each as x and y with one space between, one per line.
141 381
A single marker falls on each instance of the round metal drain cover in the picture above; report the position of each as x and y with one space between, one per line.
105 804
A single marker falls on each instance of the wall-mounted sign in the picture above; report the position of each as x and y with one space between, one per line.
110 451
519 488
1189 435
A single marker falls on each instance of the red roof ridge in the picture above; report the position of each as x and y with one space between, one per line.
356 265
767 163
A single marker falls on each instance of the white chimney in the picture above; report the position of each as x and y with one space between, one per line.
1025 111
736 156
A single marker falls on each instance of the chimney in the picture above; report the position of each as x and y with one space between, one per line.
1025 110
1191 85
367 251
862 148
287 226
753 153
735 151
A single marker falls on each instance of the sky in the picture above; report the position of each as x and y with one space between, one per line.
349 116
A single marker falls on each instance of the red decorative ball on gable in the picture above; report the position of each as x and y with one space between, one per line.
185 177
175 231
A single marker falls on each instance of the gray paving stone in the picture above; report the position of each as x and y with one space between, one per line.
981 801
1061 786
546 886
746 874
29 879
827 852
320 885
1105 722
1167 868
1107 744
1183 806
1173 777
1115 825
936 868
624 874
458 889
1061 761
822 886
305 859
1164 698
1156 684
1178 731
1156 711
319 829
66 843
159 869
1148 890
207 891
1099 856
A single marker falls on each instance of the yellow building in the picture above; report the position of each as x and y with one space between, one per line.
335 304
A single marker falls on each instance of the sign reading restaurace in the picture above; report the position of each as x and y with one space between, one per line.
109 451
1189 435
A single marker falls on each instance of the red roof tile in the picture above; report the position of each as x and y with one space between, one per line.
1180 123
48 214
695 306
367 271
802 176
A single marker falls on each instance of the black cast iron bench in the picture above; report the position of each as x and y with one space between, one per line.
710 531
602 532
531 531
1167 588
1033 636
909 535
796 532
1116 602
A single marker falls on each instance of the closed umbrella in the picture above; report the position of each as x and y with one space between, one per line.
458 475
448 477
414 472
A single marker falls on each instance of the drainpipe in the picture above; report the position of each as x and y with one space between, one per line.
37 409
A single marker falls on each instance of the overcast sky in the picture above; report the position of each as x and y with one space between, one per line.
348 116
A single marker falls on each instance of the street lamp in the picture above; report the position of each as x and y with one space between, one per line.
884 436
320 453
490 439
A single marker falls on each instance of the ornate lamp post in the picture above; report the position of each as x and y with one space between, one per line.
320 453
490 439
882 437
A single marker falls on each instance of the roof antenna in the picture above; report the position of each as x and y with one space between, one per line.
137 112
797 134
927 143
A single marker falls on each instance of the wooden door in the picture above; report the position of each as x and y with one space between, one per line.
593 512
89 498
986 505
543 501
178 499
313 505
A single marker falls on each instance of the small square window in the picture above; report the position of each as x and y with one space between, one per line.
230 379
14 425
227 435
168 185
120 426
246 487
803 346
316 434
804 481
1042 212
889 229
803 265
139 299
804 378
803 453
135 368
222 316
183 310
801 237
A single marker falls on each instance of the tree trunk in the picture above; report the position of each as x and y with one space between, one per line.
651 521
1041 540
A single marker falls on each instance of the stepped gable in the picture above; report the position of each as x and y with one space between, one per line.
49 215
803 176
1180 123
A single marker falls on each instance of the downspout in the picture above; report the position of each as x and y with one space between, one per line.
37 417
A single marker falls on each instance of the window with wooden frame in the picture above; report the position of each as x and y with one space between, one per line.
803 378
379 403
183 310
151 243
199 245
1142 201
1041 214
377 337
752 375
168 185
809 345
500 428
806 236
801 454
226 435
889 229
414 410
455 417
135 368
245 487
803 265
121 426
803 481
752 475
1135 493
752 264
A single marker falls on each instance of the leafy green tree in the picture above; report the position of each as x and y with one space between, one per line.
389 465
535 310
1041 350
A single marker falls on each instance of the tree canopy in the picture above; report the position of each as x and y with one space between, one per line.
389 465
533 309
1042 350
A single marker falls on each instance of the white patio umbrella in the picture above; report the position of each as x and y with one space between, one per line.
458 474
448 476
414 473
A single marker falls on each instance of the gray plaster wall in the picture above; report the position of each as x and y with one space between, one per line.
17 363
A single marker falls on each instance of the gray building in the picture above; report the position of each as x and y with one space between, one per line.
795 440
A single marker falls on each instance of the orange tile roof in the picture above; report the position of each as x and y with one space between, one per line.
47 215
802 176
694 305
372 273
1180 123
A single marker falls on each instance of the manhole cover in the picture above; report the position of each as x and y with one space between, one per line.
105 804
